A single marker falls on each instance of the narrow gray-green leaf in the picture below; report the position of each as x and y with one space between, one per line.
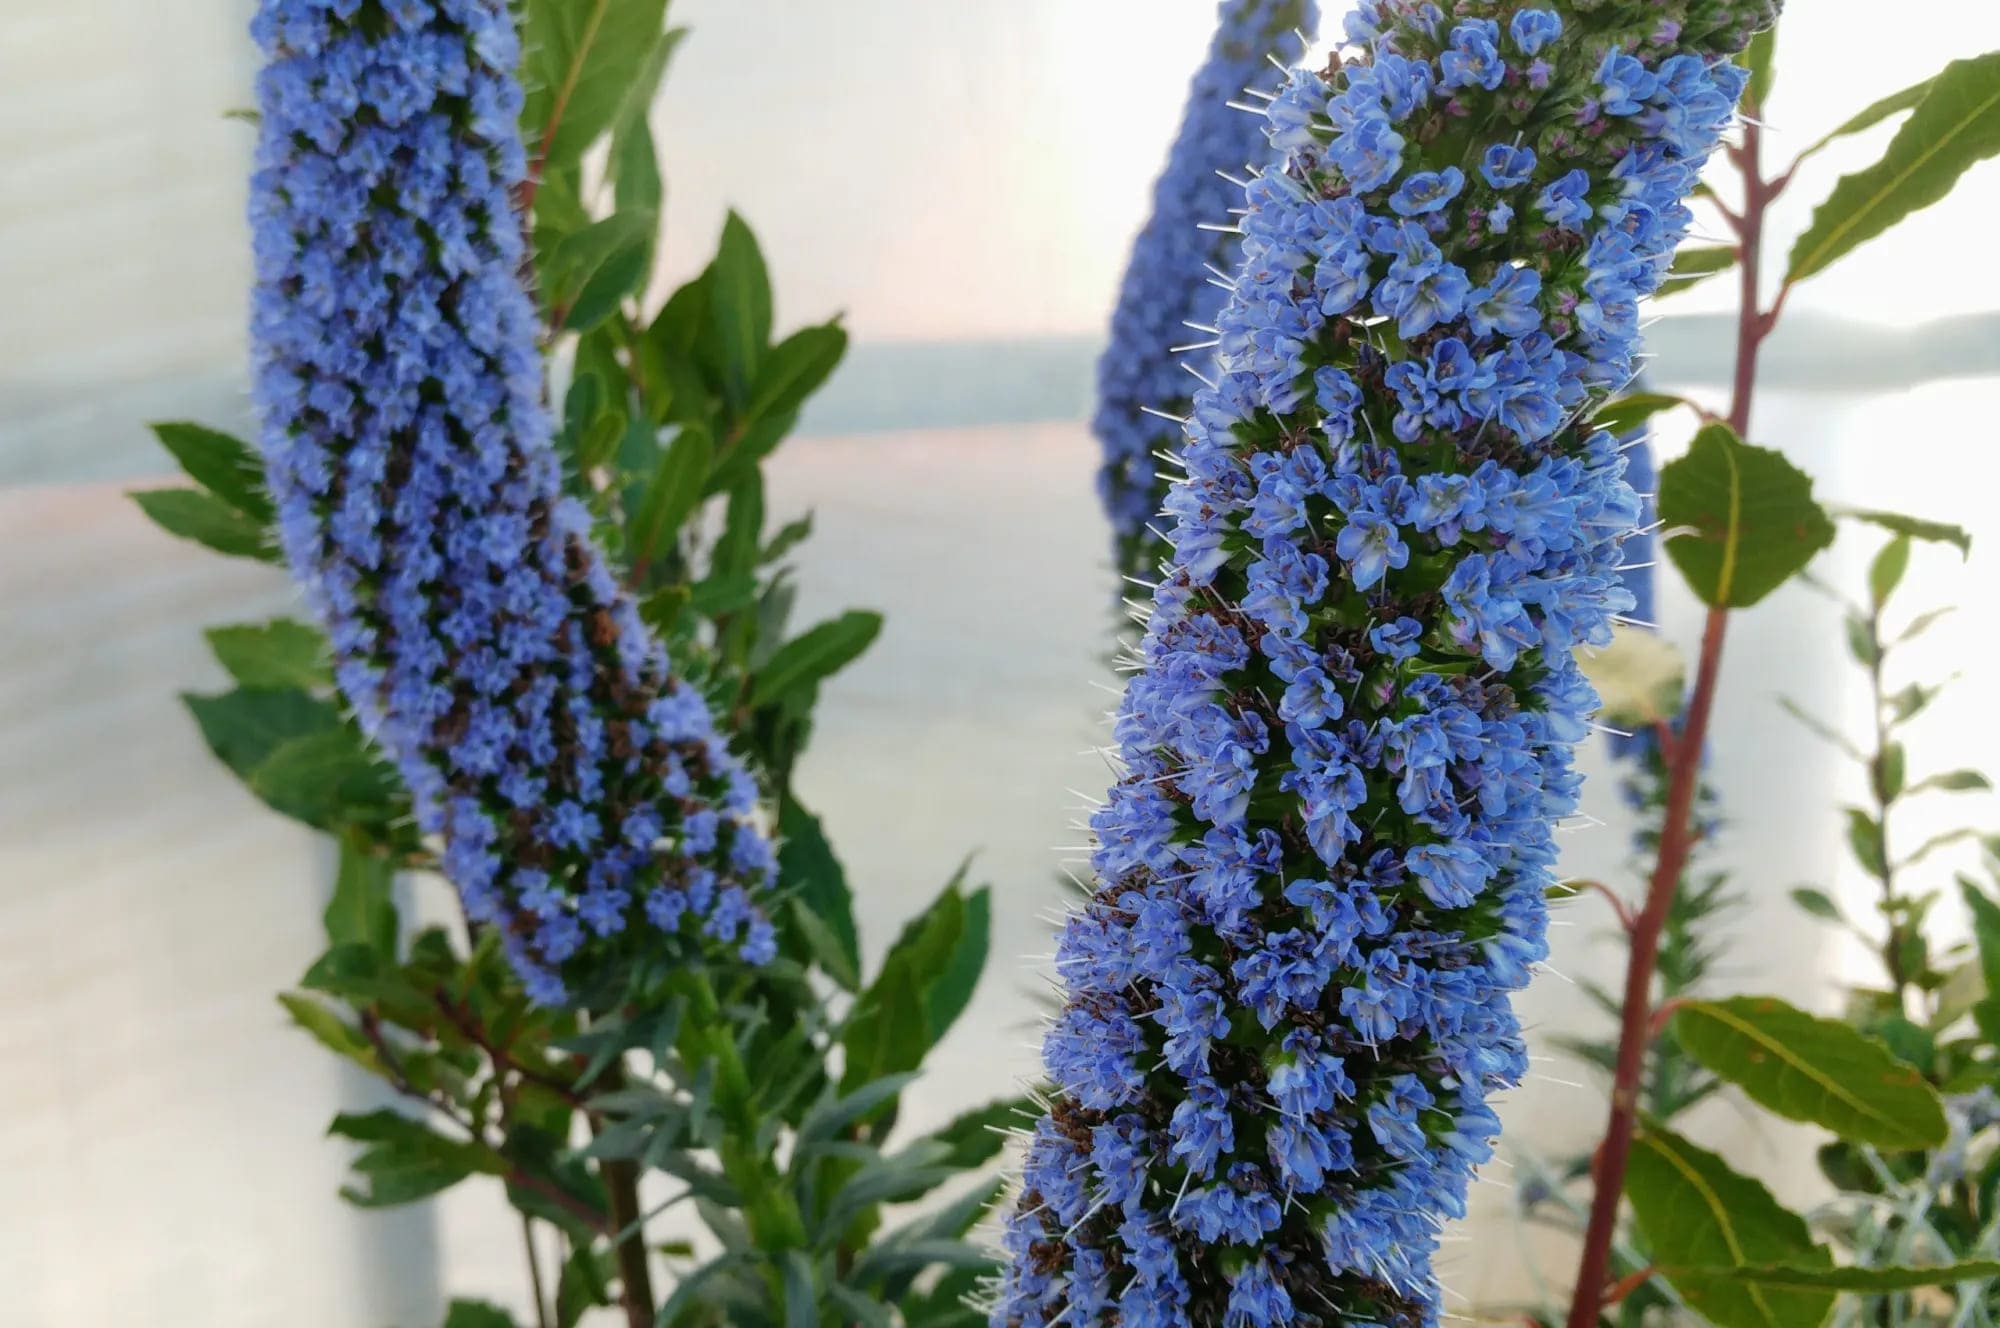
1936 532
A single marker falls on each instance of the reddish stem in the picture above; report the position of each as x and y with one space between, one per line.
1678 836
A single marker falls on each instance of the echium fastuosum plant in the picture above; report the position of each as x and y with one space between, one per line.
1172 288
1349 732
587 806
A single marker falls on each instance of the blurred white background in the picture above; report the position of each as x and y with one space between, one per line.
963 181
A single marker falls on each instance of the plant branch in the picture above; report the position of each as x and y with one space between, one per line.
1678 835
535 1272
621 1187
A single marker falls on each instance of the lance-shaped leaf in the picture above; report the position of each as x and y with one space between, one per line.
1956 124
1811 1069
278 654
1937 532
1697 1213
224 465
1746 517
1794 1277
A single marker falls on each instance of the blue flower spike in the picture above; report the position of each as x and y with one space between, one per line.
1171 289
586 807
1349 733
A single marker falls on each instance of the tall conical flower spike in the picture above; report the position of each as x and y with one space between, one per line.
1169 293
586 806
1321 875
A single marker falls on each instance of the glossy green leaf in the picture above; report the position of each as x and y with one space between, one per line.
1810 1069
946 998
1873 1280
406 1160
590 64
282 653
193 514
224 465
672 494
1956 124
1747 517
809 871
327 779
739 303
1697 1213
815 655
362 909
245 726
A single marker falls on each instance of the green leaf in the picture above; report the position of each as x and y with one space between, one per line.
808 870
1923 623
193 514
946 998
888 1032
331 1031
1757 60
1954 781
1875 113
1985 931
1935 532
1911 701
1633 409
1817 902
406 1160
477 1314
282 653
814 655
589 271
739 292
591 64
245 726
801 1297
1748 515
1956 124
1696 264
1864 838
672 494
327 779
1886 572
225 466
362 910
1696 1212
1810 1069
864 1310
795 368
1794 1277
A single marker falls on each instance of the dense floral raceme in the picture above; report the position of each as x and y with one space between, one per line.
1170 292
1349 734
586 806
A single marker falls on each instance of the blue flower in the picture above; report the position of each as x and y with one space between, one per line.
1427 191
1504 166
1350 732
1532 29
1170 290
579 789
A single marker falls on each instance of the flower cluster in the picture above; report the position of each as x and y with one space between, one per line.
585 803
1170 292
1350 732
